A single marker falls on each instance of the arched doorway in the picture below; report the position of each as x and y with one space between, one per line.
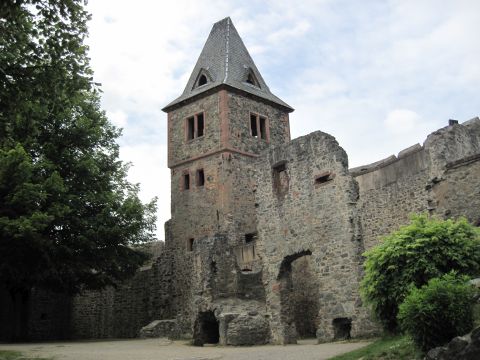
298 296
206 329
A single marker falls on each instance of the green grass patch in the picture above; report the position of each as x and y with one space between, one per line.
388 348
16 355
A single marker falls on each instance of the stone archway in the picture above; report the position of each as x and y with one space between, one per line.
299 303
206 329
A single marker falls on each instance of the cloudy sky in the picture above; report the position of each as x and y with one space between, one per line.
379 75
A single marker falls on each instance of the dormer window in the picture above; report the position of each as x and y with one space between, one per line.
251 78
203 80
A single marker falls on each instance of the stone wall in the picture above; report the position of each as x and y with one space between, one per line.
121 312
48 316
301 212
440 177
111 313
390 194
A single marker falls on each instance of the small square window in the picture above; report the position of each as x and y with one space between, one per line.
186 181
251 237
200 177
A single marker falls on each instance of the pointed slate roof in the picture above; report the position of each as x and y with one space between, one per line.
225 60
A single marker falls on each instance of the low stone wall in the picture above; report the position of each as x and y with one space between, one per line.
121 312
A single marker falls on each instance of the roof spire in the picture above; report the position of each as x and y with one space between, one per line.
225 60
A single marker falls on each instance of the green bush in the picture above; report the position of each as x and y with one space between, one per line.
426 248
438 311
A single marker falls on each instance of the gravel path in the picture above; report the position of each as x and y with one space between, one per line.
162 349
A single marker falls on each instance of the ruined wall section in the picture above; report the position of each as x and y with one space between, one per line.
440 177
121 312
298 216
458 194
391 193
223 209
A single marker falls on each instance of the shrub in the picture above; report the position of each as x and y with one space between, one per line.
424 249
438 311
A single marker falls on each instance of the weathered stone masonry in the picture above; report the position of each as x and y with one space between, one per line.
266 235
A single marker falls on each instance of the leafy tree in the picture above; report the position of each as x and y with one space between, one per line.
67 213
438 311
424 249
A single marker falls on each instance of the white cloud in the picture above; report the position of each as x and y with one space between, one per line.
118 118
401 121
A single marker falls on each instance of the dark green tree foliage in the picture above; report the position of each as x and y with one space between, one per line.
67 213
437 312
424 249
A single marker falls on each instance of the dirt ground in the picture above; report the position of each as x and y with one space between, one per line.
162 349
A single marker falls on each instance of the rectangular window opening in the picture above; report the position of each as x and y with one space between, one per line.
253 125
186 181
190 244
324 178
251 237
190 128
200 124
200 177
263 128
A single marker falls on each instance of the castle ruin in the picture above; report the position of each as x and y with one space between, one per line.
267 233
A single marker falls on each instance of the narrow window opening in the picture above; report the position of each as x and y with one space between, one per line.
200 124
186 181
253 125
202 81
213 267
251 237
280 178
190 244
190 128
200 177
263 128
324 178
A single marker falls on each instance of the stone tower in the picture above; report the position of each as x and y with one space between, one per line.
216 129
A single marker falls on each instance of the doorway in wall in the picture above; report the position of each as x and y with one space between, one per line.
299 303
206 329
